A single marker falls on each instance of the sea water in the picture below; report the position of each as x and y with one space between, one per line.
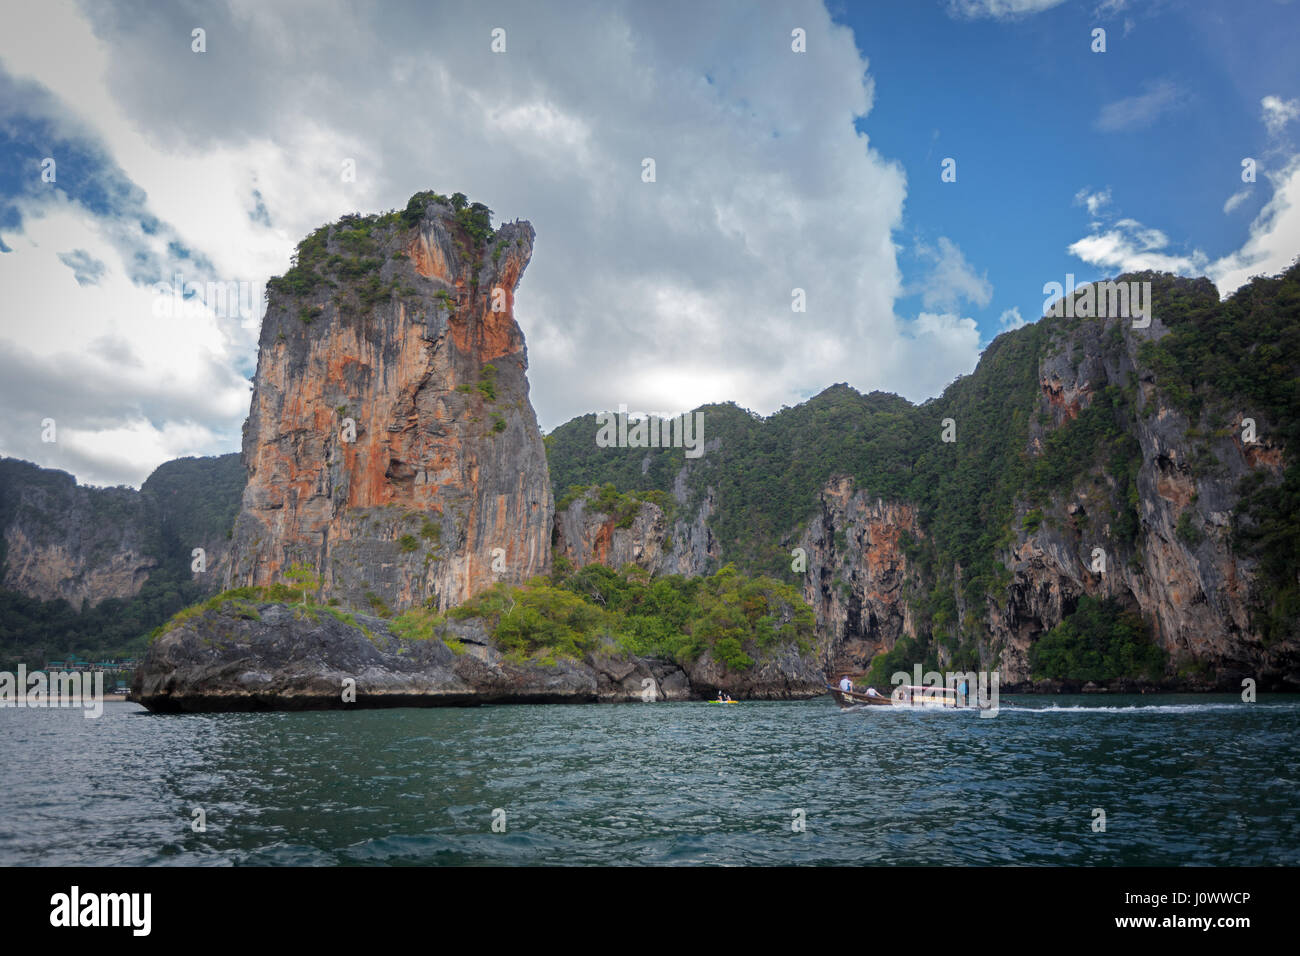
1093 780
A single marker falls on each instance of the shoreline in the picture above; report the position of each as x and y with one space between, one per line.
72 699
260 703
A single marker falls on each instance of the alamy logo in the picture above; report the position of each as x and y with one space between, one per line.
225 300
102 909
979 689
56 689
1099 300
651 431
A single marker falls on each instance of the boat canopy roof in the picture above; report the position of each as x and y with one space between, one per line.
928 690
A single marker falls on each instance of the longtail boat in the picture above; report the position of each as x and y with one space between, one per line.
906 695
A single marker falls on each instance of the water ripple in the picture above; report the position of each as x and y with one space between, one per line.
1188 780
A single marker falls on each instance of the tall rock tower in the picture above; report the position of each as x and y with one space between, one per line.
391 445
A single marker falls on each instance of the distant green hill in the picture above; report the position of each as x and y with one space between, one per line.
185 503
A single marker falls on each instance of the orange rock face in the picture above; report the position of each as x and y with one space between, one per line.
391 445
584 535
857 574
1066 401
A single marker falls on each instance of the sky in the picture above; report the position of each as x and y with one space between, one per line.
910 172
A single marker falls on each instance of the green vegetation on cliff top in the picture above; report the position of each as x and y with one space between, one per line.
573 613
347 255
623 507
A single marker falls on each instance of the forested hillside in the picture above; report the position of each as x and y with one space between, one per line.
184 504
1020 450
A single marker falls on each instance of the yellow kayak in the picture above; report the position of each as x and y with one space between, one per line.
724 702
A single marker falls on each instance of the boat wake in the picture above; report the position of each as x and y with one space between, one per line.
1141 708
867 708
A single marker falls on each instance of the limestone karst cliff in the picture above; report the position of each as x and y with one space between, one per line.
86 545
87 569
248 655
672 542
856 577
1166 548
394 466
70 542
1143 465
391 444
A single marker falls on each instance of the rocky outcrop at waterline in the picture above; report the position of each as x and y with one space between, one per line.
253 655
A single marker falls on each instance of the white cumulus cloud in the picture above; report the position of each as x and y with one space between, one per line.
658 295
1128 246
1093 201
1273 244
1274 239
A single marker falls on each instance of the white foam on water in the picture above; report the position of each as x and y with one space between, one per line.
1142 708
877 709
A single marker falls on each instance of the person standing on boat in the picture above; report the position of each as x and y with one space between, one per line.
964 691
846 685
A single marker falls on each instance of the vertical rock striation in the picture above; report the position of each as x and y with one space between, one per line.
1177 566
683 544
412 344
62 540
857 575
1133 478
85 545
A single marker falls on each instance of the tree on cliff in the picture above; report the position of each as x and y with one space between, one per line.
300 575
